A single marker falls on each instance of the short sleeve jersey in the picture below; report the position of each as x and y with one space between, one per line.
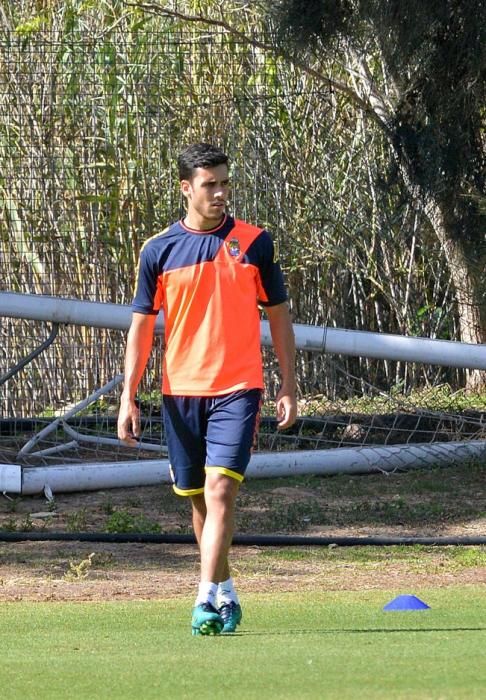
209 285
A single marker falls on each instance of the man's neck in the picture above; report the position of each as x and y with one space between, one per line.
200 223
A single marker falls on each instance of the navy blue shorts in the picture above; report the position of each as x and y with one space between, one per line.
209 432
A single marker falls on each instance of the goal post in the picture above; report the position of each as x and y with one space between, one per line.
60 409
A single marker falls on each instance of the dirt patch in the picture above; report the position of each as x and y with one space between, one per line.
44 571
447 503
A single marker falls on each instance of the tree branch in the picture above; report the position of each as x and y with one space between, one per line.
363 104
374 97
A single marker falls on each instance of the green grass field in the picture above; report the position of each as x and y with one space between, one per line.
314 645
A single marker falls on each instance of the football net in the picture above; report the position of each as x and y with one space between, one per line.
61 406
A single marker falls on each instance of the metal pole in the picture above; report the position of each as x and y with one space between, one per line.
20 365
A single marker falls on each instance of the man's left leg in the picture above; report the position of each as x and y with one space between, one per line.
220 493
213 521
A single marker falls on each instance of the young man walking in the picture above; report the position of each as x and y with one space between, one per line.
209 273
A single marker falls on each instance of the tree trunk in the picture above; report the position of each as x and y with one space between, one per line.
463 263
466 277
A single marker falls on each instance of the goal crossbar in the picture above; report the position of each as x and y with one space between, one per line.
383 346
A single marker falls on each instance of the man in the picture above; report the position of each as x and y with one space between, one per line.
209 272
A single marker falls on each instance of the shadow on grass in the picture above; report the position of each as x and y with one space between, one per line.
372 630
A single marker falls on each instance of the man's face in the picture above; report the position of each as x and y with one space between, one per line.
207 195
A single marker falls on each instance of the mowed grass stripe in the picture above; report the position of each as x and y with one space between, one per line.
314 645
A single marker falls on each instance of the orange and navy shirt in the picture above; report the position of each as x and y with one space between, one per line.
209 285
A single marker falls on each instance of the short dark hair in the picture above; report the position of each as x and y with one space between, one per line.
199 155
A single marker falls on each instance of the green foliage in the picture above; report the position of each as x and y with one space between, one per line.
425 500
312 22
124 521
13 503
441 397
26 525
77 521
276 516
31 26
10 525
79 571
417 557
466 557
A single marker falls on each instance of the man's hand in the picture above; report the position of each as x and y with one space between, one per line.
128 422
139 345
284 345
286 409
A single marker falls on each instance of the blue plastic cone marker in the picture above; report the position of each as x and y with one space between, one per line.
406 602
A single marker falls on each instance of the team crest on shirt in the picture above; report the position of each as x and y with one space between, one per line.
234 247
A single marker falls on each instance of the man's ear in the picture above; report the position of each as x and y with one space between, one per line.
186 188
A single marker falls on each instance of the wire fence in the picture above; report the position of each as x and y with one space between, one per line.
91 122
89 138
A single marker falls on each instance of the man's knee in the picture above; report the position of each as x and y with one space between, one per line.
220 488
199 504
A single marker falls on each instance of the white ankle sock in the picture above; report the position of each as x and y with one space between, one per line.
227 593
207 593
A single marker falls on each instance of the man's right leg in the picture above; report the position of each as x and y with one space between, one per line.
185 425
199 512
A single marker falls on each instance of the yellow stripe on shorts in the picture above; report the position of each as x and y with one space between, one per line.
225 471
187 492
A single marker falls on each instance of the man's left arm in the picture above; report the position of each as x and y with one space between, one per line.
284 344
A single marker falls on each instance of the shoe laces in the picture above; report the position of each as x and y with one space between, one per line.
208 608
226 610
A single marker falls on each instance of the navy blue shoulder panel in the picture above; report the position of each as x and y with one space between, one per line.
261 253
179 247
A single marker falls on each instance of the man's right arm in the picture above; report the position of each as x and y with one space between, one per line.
139 347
